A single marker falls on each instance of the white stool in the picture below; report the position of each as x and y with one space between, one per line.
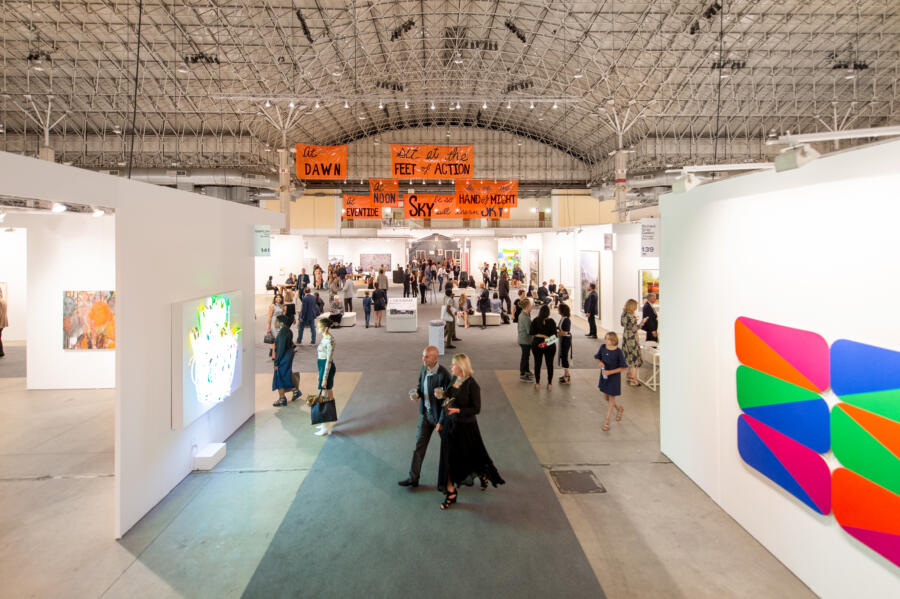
348 319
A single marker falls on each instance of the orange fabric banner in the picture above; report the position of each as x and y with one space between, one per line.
429 205
385 192
432 162
321 162
360 207
486 199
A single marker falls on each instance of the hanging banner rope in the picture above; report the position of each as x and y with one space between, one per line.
321 162
385 192
429 205
486 199
360 207
432 162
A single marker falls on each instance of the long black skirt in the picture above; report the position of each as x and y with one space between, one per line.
465 455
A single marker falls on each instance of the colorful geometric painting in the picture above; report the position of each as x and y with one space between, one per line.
510 258
786 424
865 431
89 320
589 272
372 262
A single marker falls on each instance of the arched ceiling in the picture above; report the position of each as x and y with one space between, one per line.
584 77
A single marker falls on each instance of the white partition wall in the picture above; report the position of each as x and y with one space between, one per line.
350 248
813 248
286 256
13 273
170 246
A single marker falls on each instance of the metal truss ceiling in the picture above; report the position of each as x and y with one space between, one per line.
584 77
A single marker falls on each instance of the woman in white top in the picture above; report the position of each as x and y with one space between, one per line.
276 309
325 354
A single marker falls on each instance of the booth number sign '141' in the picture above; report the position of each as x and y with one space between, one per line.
649 237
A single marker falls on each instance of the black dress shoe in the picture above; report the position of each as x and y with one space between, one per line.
450 346
408 483
457 339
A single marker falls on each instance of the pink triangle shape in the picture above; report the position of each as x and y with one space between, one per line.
884 543
804 350
806 466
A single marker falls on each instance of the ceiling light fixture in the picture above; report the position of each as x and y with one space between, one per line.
484 105
58 208
268 104
336 73
97 213
406 105
432 105
182 68
346 104
508 105
555 106
457 105
579 74
531 106
291 104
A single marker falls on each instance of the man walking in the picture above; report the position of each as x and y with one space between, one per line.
309 311
649 320
591 309
448 315
431 377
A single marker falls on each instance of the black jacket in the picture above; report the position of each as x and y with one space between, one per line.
503 288
468 399
441 378
590 304
484 301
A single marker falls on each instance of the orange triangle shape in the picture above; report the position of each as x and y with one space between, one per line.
753 352
860 503
885 430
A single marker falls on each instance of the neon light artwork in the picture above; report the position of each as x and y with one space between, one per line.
214 350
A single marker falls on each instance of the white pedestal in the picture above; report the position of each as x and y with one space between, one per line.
436 330
207 457
402 315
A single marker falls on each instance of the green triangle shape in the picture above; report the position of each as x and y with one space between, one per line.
859 451
884 403
756 388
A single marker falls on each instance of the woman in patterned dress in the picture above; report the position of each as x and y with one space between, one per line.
630 345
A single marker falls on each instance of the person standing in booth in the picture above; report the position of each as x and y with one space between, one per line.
591 309
484 304
503 291
649 321
349 291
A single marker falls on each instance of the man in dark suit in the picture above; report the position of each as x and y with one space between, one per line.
649 320
302 282
407 279
591 309
432 376
309 311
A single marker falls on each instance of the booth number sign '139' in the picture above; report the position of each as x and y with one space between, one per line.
649 237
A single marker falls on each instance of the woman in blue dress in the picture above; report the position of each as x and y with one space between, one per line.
611 361
283 356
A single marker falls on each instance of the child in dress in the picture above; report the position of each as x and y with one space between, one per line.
367 307
611 361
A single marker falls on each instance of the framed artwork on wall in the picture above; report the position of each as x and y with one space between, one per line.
207 344
588 272
511 258
89 320
649 283
372 262
534 265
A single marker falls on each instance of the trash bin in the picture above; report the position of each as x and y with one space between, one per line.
436 335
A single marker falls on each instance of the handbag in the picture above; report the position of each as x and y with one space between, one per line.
269 338
323 411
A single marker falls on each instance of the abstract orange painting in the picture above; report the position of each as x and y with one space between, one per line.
89 320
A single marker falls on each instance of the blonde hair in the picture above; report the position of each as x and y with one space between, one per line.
612 337
288 295
465 365
630 306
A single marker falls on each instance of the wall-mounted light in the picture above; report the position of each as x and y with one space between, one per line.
58 208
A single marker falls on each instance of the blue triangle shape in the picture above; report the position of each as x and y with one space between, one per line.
860 368
805 422
758 455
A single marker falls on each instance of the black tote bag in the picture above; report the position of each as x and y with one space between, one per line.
324 411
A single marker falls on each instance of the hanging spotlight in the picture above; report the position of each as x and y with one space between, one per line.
452 107
457 105
317 103
346 104
268 104
484 105
579 74
508 105
555 106
432 105
531 106
97 213
380 105
406 105
57 207
291 104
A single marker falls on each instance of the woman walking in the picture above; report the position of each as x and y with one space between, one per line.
465 455
565 342
503 290
611 361
543 345
630 346
524 339
283 357
325 355
276 309
379 302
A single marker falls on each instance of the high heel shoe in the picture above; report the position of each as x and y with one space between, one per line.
484 482
449 499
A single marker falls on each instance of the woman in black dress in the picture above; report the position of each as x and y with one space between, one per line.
465 455
543 345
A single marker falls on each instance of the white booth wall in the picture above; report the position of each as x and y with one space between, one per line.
65 252
315 252
481 250
286 253
349 248
812 248
627 264
170 246
14 272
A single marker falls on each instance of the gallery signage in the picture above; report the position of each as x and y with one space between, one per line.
432 162
486 199
385 192
360 208
649 237
321 162
429 205
261 240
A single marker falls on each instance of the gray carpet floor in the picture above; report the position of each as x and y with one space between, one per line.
353 532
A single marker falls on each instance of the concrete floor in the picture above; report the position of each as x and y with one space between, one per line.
652 534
